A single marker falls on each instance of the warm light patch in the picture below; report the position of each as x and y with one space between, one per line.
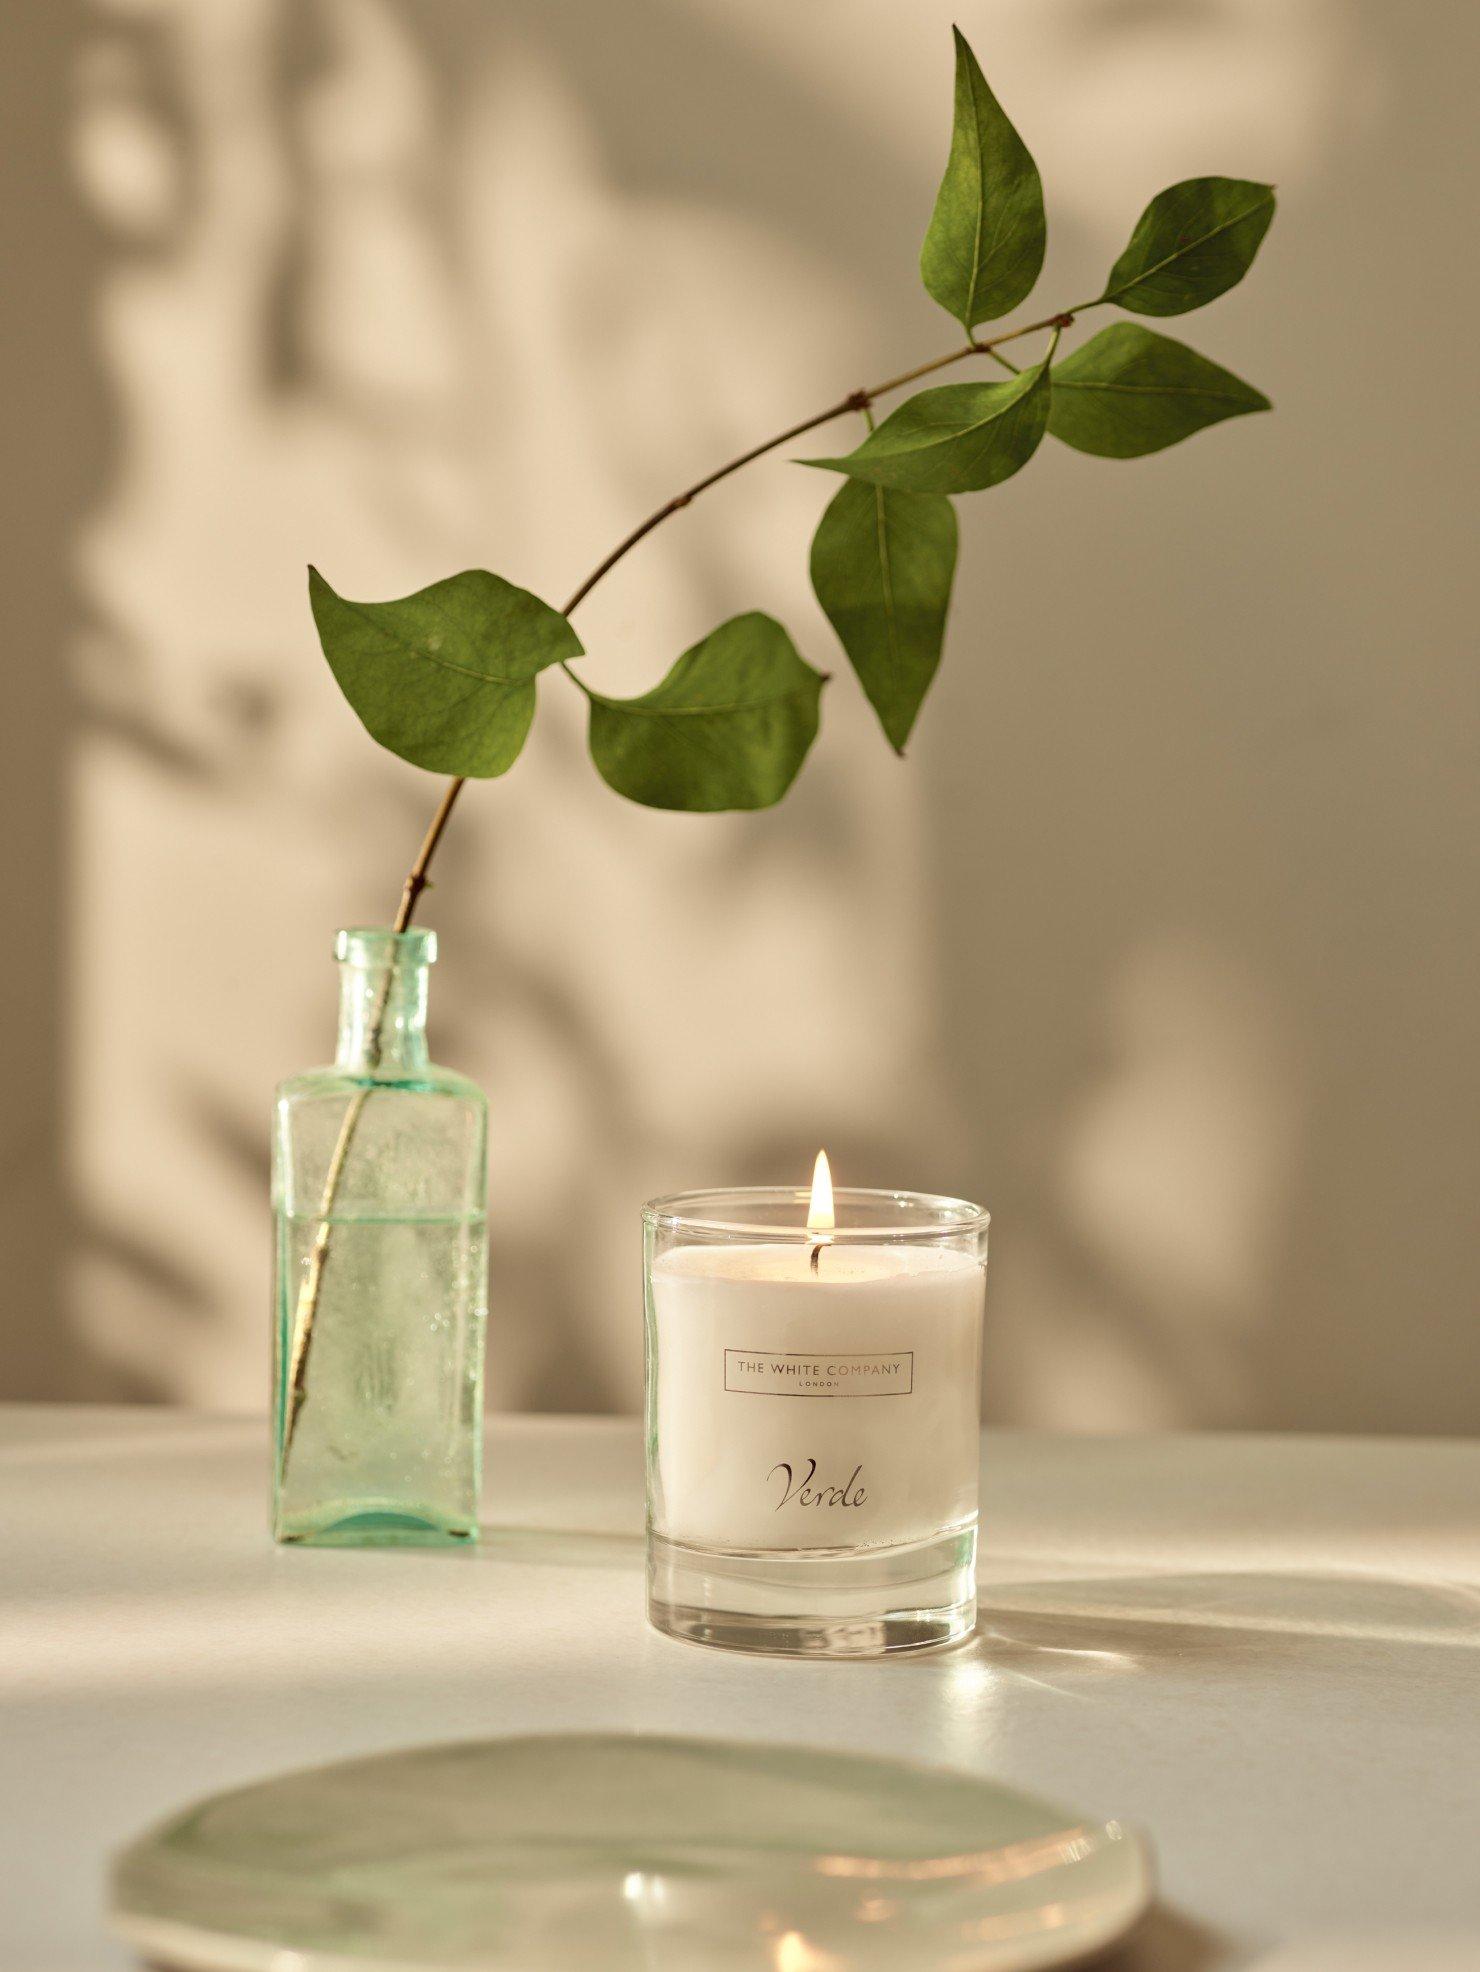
820 1216
794 1954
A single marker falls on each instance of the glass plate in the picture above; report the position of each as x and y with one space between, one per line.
603 1853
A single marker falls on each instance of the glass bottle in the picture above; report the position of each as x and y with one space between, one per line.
379 1195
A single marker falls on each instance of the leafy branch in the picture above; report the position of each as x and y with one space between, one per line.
447 678
452 625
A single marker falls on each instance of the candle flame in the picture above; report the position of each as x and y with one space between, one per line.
820 1216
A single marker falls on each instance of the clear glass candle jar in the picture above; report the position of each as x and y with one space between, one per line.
813 1420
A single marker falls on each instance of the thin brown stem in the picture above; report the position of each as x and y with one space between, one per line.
856 400
417 879
308 1293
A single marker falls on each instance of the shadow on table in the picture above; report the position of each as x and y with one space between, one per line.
1127 1623
530 1547
1166 1941
561 1547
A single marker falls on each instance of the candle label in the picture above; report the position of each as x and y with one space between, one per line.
762 1373
748 1348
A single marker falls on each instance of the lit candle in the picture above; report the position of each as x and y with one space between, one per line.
813 1397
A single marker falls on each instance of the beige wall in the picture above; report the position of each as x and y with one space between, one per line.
1163 940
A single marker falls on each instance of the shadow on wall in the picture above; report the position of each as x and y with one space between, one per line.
1208 792
405 288
61 444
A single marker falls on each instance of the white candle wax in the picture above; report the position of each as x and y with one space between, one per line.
815 1410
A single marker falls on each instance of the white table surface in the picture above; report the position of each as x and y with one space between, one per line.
1266 1651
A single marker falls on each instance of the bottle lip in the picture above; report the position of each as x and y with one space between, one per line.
372 945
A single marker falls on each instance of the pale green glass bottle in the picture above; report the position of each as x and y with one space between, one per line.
379 1197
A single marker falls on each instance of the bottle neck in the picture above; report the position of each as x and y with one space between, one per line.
382 1017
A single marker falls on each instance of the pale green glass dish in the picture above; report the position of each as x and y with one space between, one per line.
379 1198
597 1853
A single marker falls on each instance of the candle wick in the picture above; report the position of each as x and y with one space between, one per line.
816 1255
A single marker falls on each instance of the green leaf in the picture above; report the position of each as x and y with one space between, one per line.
1129 391
882 564
728 727
444 678
984 245
957 439
1191 244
